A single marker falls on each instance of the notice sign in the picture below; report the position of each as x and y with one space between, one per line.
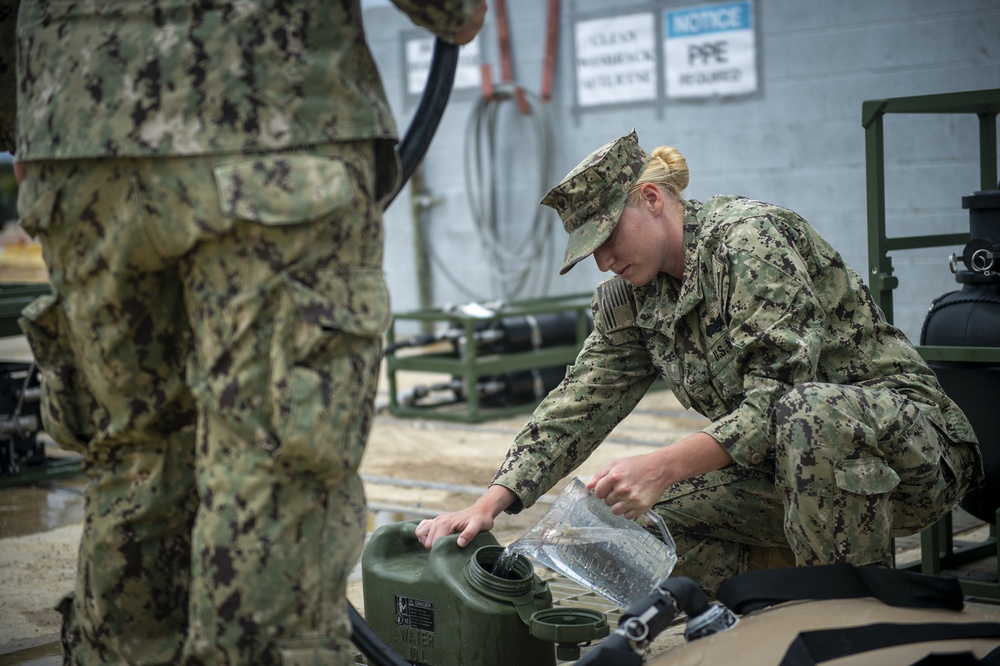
616 60
710 50
419 53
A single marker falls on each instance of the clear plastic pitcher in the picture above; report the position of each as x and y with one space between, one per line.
610 555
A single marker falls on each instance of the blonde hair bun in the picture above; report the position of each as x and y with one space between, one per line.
667 169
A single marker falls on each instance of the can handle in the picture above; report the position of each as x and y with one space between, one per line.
409 529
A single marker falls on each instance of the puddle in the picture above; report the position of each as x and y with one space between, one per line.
49 654
41 507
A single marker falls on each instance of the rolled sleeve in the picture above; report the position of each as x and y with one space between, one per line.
738 433
601 388
444 19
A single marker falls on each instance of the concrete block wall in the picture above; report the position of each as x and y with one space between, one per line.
797 141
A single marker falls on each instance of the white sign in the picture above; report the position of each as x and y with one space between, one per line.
616 60
710 50
419 52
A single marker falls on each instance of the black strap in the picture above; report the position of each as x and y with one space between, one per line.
814 647
960 659
615 650
759 589
949 659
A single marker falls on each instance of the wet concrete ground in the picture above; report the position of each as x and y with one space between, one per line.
32 509
49 654
40 508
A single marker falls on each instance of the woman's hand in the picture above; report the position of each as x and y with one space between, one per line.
469 521
631 486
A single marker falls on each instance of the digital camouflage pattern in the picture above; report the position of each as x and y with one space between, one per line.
601 182
225 350
203 179
840 433
175 77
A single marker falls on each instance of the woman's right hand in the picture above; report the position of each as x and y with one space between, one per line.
468 522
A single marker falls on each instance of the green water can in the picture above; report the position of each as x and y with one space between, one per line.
444 606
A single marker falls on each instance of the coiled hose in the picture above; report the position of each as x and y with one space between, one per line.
515 267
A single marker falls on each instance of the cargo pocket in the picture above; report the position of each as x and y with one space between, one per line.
37 215
277 190
310 359
865 476
325 362
68 410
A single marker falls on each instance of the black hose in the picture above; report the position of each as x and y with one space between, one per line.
427 117
373 647
648 617
689 595
411 149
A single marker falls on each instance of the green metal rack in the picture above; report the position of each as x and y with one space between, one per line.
938 549
14 297
473 365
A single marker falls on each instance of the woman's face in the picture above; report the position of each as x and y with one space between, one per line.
640 246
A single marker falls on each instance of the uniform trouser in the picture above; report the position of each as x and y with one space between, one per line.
212 348
853 468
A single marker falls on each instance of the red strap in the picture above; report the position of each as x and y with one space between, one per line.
551 47
487 80
506 64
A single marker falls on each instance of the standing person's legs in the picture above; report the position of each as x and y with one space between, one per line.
110 345
288 306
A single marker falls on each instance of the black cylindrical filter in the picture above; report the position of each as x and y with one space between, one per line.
970 317
518 388
524 333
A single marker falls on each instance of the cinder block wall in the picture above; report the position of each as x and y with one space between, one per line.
798 141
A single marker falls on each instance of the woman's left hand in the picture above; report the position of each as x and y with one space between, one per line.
631 486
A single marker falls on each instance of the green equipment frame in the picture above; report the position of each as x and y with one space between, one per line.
472 364
14 297
937 547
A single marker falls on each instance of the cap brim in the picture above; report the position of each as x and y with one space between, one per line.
585 239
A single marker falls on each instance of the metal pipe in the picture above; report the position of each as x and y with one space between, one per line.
433 485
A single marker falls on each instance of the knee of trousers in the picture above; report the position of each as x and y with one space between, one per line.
819 414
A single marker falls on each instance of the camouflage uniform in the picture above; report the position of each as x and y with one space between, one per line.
840 434
204 180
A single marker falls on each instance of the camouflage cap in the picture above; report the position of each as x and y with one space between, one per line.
591 198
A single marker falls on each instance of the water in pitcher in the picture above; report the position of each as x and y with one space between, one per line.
607 554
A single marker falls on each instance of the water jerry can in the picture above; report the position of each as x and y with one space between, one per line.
444 607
